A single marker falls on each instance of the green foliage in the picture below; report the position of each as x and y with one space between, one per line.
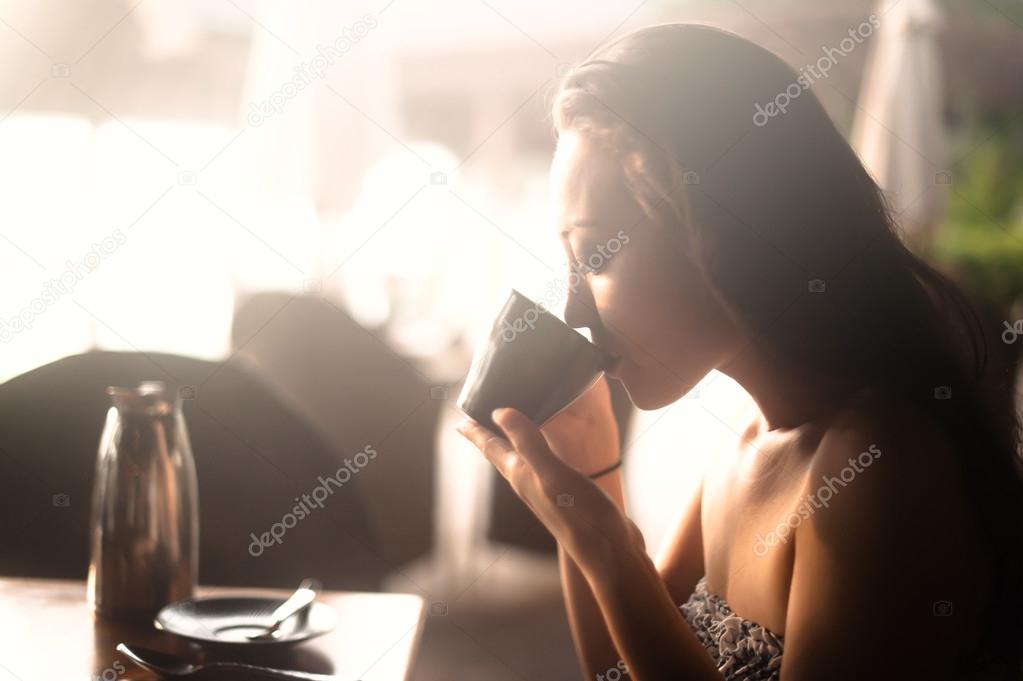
1007 11
982 241
988 258
989 178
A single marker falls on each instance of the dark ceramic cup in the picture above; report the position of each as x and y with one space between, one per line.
531 361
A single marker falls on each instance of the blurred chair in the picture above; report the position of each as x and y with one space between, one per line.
254 454
357 392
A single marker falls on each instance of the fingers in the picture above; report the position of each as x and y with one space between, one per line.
497 450
525 446
526 438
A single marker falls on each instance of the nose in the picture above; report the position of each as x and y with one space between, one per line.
580 306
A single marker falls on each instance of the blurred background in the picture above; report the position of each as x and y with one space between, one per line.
304 215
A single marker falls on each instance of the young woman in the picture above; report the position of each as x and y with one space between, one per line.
869 524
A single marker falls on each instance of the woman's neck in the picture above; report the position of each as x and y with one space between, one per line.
786 400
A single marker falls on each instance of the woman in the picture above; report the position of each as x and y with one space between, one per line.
869 525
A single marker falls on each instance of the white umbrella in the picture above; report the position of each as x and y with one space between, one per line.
898 130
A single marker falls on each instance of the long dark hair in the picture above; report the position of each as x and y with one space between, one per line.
765 197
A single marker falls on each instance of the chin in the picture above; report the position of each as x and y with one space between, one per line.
649 390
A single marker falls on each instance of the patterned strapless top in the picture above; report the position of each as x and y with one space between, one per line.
742 649
746 651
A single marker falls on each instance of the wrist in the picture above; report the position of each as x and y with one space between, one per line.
587 462
585 452
613 486
606 470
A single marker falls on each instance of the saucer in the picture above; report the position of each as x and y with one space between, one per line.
228 621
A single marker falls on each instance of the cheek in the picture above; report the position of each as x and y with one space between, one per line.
644 307
654 310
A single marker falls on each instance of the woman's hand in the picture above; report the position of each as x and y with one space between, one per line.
581 516
585 434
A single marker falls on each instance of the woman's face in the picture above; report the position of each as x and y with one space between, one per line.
641 299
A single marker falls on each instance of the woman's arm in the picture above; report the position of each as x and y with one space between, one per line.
646 626
878 557
679 563
643 621
593 645
680 557
585 436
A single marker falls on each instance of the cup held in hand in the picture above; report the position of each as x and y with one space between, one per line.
531 361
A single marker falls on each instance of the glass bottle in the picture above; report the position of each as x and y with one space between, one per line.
145 513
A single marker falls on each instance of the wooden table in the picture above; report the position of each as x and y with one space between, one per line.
48 632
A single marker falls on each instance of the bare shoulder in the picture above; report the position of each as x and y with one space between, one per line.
886 548
891 468
908 440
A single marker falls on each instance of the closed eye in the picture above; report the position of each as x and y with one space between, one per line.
593 260
594 264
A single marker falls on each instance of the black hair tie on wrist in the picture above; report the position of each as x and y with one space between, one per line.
610 469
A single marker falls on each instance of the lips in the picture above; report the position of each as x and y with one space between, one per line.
615 365
615 357
601 342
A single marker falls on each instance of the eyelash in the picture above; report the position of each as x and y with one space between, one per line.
585 268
